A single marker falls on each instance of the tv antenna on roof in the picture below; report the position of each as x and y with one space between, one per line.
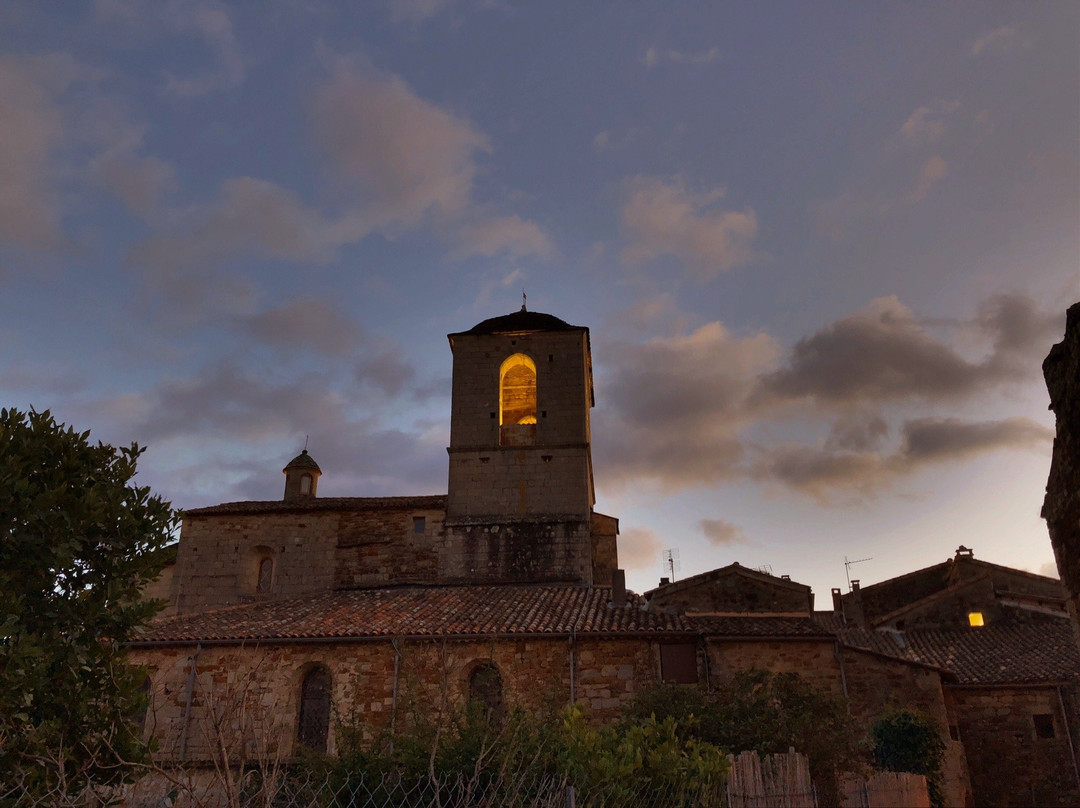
523 298
847 568
671 562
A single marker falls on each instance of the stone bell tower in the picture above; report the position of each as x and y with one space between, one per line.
520 494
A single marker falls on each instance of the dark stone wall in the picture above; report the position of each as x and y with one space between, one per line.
732 592
1061 508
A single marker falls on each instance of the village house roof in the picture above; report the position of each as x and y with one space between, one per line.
421 503
1003 654
458 611
522 321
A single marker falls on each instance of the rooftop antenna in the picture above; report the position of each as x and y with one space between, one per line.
847 568
523 298
671 562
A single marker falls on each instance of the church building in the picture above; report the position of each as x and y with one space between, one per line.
288 616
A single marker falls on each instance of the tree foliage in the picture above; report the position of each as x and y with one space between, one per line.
78 540
908 741
768 713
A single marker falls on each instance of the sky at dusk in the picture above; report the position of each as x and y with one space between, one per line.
822 249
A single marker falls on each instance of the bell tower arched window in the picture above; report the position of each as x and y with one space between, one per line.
314 723
517 391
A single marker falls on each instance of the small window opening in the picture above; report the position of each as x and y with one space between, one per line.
954 732
314 723
486 688
517 391
1044 725
419 524
678 663
266 576
975 619
305 483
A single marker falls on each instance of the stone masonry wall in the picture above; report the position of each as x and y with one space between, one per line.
218 559
1010 765
518 551
732 592
248 697
381 547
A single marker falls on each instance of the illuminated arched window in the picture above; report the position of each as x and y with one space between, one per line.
305 484
517 391
486 688
314 709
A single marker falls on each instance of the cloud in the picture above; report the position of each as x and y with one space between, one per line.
602 141
931 173
249 217
639 548
927 124
1001 39
405 157
674 405
827 473
504 234
857 432
720 532
883 353
929 439
415 11
654 56
31 130
307 324
664 218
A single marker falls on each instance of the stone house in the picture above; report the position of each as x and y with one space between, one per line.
289 618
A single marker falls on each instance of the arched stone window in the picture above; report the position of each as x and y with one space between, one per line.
486 688
314 709
517 391
305 484
266 575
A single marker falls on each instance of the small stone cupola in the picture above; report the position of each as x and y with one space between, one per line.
301 477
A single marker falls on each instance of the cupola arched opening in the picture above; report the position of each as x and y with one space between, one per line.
517 391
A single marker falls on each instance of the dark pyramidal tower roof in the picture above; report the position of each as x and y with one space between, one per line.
303 461
522 321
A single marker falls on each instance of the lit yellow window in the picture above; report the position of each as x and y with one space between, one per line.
975 618
517 391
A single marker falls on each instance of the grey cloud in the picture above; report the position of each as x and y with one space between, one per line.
309 324
828 473
1000 39
857 432
927 124
415 11
721 532
504 234
661 217
405 156
929 439
654 56
883 353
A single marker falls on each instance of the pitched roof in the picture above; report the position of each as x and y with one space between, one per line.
303 461
1003 654
451 611
436 502
734 568
760 627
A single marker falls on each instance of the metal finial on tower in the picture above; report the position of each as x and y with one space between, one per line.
305 442
523 298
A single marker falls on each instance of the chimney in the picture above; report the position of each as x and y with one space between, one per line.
854 606
618 588
665 581
837 601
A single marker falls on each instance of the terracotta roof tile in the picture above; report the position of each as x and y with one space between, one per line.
1027 653
421 611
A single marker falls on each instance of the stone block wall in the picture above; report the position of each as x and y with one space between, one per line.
381 547
1009 763
247 697
730 591
523 551
218 559
519 482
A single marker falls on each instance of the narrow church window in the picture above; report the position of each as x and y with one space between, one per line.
517 391
678 663
419 523
266 576
486 688
314 709
305 484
